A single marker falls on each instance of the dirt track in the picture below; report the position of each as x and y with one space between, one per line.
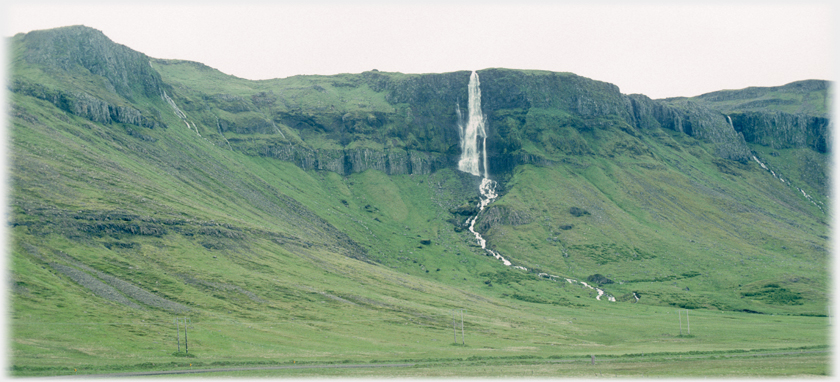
200 371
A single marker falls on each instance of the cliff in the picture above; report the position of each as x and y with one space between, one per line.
795 115
83 72
399 123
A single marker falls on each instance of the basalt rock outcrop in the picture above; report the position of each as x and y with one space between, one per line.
691 118
348 161
90 107
781 130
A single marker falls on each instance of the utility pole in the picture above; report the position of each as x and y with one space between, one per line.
687 321
178 333
454 331
462 327
680 316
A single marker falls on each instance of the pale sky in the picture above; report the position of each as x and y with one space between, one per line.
654 48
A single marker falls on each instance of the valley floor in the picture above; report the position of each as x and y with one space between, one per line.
799 364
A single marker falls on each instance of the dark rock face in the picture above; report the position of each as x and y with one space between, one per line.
86 106
599 279
501 215
425 117
691 118
644 112
426 109
782 130
345 162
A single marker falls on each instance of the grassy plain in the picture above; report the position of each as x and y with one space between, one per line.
764 365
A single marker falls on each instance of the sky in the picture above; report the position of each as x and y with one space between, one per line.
654 48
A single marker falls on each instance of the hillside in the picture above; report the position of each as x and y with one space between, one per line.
322 218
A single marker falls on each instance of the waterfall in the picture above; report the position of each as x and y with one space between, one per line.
779 177
730 122
472 161
180 113
470 133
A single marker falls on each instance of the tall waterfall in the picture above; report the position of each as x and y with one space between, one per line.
472 161
473 130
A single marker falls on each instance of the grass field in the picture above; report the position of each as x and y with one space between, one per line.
715 366
350 335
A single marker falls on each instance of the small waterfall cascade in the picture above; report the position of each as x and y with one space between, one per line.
179 113
778 176
599 290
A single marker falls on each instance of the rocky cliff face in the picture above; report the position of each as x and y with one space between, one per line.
347 161
795 115
783 130
87 106
407 124
117 78
511 93
690 118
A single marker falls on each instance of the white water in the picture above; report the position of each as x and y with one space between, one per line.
179 113
776 175
599 290
473 130
808 197
472 161
488 194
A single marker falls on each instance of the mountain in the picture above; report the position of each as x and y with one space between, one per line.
324 218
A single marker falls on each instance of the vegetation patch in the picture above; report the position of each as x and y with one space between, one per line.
578 212
505 277
772 293
599 279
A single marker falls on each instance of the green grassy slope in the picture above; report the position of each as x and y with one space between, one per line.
805 97
117 229
678 230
